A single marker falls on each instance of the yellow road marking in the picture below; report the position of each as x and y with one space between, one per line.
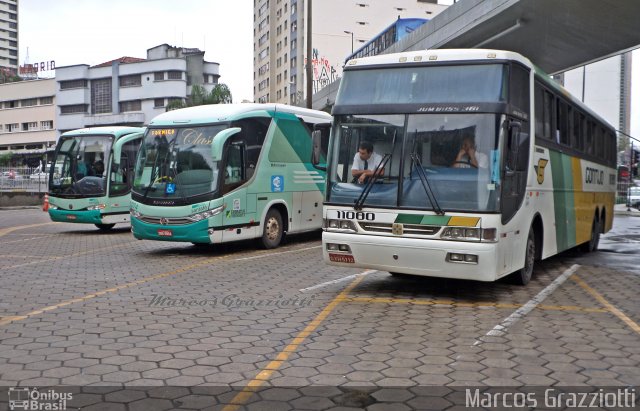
243 396
30 256
610 307
472 305
5 231
10 319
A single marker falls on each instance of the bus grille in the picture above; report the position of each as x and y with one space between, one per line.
410 229
167 221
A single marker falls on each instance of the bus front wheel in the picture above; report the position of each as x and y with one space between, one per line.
523 276
105 227
273 229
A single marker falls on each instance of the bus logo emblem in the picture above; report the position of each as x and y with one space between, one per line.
542 163
397 229
164 221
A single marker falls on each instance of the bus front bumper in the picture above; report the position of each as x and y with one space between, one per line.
195 233
70 216
423 257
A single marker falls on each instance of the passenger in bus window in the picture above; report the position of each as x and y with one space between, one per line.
364 163
469 157
99 168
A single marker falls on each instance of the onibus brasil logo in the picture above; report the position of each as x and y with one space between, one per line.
25 398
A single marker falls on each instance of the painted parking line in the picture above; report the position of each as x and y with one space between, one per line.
501 329
610 307
339 280
10 319
460 304
242 397
8 230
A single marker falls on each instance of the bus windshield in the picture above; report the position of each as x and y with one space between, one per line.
480 83
80 161
177 162
456 153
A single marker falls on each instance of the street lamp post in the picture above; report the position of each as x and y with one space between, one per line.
350 32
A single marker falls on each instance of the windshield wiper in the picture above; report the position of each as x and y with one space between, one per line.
154 169
425 183
365 193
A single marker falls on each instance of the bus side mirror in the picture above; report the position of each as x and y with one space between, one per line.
515 127
117 147
319 141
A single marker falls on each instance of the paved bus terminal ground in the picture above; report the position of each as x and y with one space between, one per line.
154 325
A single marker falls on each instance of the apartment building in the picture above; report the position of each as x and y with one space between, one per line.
128 90
8 36
27 113
339 29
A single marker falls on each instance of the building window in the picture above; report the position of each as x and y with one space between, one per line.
158 75
12 127
130 81
101 96
65 85
46 125
46 100
158 102
73 109
264 53
29 102
263 70
133 105
174 75
30 126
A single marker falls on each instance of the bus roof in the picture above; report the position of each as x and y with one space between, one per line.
457 55
117 131
213 113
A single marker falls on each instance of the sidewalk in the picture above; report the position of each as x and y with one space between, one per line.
622 209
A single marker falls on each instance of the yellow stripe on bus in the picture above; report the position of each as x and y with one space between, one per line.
464 221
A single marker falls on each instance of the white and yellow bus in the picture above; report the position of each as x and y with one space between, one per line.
536 175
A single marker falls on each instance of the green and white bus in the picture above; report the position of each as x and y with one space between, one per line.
90 180
487 165
218 173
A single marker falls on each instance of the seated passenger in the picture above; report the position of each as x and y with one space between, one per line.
365 162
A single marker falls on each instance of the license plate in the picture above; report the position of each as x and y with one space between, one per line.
341 258
165 233
71 217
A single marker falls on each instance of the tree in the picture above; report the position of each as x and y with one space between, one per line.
220 94
5 158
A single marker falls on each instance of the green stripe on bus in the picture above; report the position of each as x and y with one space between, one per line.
422 219
563 200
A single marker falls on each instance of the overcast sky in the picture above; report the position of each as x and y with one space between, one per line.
94 31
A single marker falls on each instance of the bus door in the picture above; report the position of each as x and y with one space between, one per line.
237 214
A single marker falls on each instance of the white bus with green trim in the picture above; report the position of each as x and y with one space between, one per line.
90 180
536 175
218 173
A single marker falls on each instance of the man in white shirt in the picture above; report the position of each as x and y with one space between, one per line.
468 157
365 162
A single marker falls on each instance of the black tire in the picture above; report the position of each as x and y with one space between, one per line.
592 245
273 229
523 276
399 275
105 227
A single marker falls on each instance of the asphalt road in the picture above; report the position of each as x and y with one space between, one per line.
125 325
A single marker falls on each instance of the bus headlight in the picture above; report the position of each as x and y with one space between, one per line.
97 207
206 214
469 234
341 225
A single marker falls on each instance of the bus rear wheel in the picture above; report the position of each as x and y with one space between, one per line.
523 276
594 240
273 230
105 227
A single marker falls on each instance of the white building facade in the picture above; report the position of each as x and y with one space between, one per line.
27 113
129 91
339 28
9 36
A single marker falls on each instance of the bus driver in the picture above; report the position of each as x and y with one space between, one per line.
469 157
365 162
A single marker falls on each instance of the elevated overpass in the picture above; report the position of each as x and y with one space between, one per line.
557 35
